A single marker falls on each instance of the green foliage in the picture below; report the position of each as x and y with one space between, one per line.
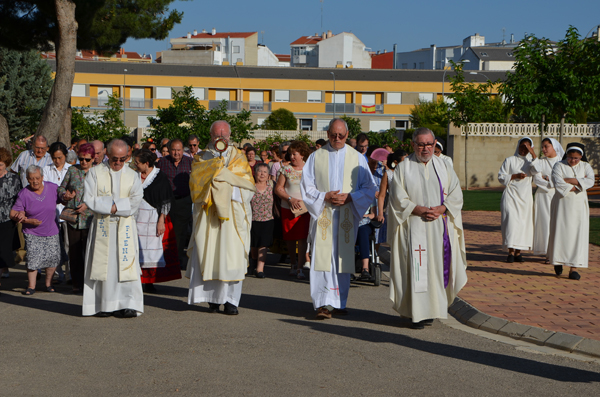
102 126
281 119
429 114
555 82
277 139
25 84
595 230
481 200
103 25
472 102
185 116
354 127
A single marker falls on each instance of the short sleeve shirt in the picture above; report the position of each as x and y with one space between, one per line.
41 207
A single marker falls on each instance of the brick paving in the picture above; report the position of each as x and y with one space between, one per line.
528 293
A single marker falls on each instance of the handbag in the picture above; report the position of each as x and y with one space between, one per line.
300 211
69 215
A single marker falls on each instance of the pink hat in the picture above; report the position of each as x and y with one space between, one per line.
380 154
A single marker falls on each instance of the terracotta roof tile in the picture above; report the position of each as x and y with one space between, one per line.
307 40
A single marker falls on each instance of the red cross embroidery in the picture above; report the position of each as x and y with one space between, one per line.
419 251
336 289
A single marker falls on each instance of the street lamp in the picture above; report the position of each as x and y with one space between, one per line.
463 61
333 74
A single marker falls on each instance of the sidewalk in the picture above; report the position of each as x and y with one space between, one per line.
528 293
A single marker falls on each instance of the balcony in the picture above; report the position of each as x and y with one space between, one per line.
127 103
352 108
236 106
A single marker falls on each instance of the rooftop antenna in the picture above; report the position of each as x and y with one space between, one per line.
503 36
322 1
262 34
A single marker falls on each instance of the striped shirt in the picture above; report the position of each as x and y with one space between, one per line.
26 159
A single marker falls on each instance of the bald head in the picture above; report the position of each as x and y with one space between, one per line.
99 152
40 146
220 129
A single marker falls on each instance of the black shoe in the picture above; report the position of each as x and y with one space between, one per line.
125 313
574 276
510 258
419 325
231 309
213 307
259 274
428 321
103 314
149 288
519 258
558 269
365 274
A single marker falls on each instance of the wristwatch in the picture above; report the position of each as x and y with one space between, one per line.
289 198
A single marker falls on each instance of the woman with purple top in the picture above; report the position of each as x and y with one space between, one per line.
35 208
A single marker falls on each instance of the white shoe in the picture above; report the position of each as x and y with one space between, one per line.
306 266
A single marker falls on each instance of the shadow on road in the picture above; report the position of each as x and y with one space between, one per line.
32 302
487 269
501 361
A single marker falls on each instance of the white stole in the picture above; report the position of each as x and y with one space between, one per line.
125 242
418 229
346 238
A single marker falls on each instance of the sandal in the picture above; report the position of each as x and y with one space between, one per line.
29 291
50 289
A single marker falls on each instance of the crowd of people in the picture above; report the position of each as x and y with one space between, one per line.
115 221
557 224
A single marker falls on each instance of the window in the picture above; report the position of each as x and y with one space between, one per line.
368 99
256 100
163 92
143 121
313 96
405 66
483 54
299 50
198 93
306 124
221 95
426 97
103 94
260 122
78 90
394 98
414 65
282 96
379 125
236 49
137 97
401 124
421 65
322 125
339 98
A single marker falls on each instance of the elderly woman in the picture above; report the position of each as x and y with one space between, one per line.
10 186
71 193
252 161
35 208
570 221
55 173
279 160
295 227
516 205
158 247
261 234
553 153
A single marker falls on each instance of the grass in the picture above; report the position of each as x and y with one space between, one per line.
595 231
481 200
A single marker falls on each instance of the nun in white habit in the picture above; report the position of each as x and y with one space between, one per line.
553 153
570 220
516 206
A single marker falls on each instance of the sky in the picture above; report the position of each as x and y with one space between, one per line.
380 24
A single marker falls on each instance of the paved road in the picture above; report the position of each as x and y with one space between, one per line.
274 347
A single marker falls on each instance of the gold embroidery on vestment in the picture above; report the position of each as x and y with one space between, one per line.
347 225
324 223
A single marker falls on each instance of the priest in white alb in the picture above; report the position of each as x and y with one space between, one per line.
221 186
112 284
428 259
337 188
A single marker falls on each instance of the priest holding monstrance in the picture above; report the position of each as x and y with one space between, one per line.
221 186
428 260
337 188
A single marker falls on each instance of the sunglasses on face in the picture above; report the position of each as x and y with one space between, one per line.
424 145
153 149
82 159
118 160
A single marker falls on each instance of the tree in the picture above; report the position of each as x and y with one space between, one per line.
185 116
354 126
552 83
281 119
24 89
101 126
102 25
473 102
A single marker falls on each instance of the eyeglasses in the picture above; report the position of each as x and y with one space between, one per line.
153 149
82 159
337 136
118 160
425 145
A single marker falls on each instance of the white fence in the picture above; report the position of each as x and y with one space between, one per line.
505 129
314 135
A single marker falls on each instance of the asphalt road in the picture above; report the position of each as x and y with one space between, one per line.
274 347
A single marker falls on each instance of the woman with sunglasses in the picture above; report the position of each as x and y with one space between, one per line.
570 221
71 193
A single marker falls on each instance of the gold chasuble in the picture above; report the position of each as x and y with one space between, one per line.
219 217
324 238
126 239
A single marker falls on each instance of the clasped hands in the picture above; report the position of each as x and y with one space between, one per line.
336 198
20 217
429 213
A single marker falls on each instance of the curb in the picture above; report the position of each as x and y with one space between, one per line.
474 318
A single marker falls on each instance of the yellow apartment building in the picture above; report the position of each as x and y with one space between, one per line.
381 99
